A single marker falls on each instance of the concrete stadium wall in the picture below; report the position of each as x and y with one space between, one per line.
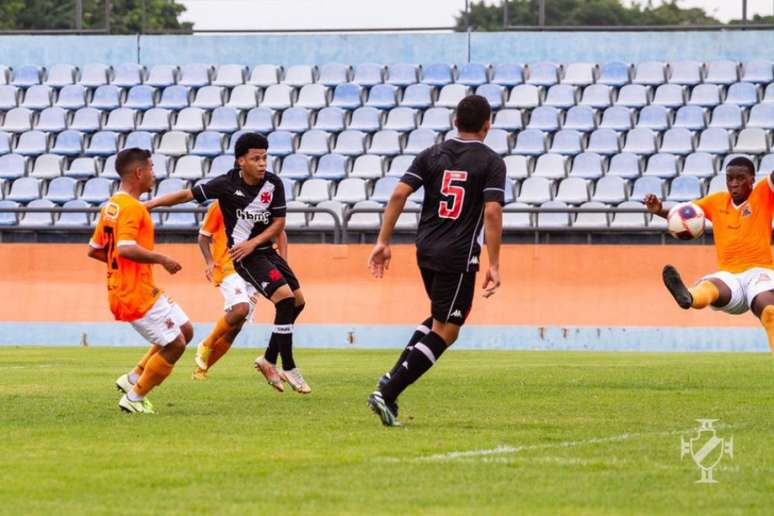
491 47
553 297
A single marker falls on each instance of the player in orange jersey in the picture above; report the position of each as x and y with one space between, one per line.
238 294
123 239
741 223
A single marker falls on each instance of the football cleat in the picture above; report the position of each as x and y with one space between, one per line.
135 407
269 371
387 412
674 283
202 356
199 374
123 384
294 378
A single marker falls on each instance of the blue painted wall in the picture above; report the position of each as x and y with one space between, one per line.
75 50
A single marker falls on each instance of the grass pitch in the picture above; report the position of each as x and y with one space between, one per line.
537 432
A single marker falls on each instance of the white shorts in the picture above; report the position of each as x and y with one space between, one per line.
235 290
161 324
744 287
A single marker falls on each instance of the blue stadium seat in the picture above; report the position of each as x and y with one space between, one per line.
604 142
347 96
277 96
700 164
617 118
560 96
743 94
550 220
224 119
53 120
47 166
74 219
233 139
633 96
647 185
629 220
640 141
438 119
650 73
508 75
162 76
94 75
580 118
9 97
121 120
690 117
264 75
420 139
209 97
181 220
330 119
350 143
727 116
195 75
230 75
295 120
366 119
190 120
687 73
12 166
299 75
401 119
189 167
38 219
332 166
71 97
208 143
382 96
752 140
82 168
32 143
545 118
400 164
591 220
37 97
579 74
315 143
722 72
333 74
402 74
588 165
383 189
296 166
493 93
368 74
5 74
290 189
244 96
508 119
60 75
705 95
26 76
260 120
437 74
451 95
156 120
417 96
61 190
684 188
677 140
625 165
312 96
662 165
568 142
87 120
24 190
106 97
281 143
762 115
573 191
162 165
614 74
542 73
597 96
535 190
669 95
531 142
768 95
220 165
68 143
767 164
472 74
5 143
385 143
368 166
102 143
758 72
315 191
126 75
551 166
174 97
715 141
654 117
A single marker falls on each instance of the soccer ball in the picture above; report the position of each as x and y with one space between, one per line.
685 221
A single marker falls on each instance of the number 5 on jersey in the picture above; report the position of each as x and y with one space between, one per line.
451 209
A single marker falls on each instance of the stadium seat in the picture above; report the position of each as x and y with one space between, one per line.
493 93
633 96
561 96
752 140
333 74
37 97
727 116
650 73
767 164
224 119
647 185
321 220
195 75
677 140
94 75
73 219
579 74
705 95
365 221
591 220
368 166
330 119
264 75
189 168
162 76
417 96
299 75
350 191
281 143
9 97
544 118
597 96
278 97
296 166
610 190
551 166
32 143
121 120
516 220
174 143
758 72
71 97
439 119
350 143
189 120
26 76
315 143
662 165
625 165
12 166
580 118
382 96
244 96
293 219
420 139
368 74
614 74
401 119
87 120
209 97
684 188
691 117
687 73
126 75
629 220
181 220
507 75
5 74
315 191
639 141
670 96
385 143
60 75
535 190
717 184
102 143
47 166
312 96
722 72
61 190
220 165
366 119
507 119
295 120
567 141
53 120
38 219
332 166
551 220
162 165
82 168
496 139
437 74
762 115
742 94
230 75
260 120
472 74
383 189
106 97
714 141
699 164
347 96
524 96
24 190
169 185
18 120
6 140
451 95
402 74
653 117
587 165
768 95
617 118
573 190
175 97
542 73
208 144
604 142
156 120
399 165
68 143
531 142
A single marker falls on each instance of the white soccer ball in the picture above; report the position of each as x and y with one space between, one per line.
685 221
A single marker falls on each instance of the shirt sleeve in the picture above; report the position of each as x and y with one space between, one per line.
98 237
707 205
416 173
210 190
278 206
212 220
494 188
129 221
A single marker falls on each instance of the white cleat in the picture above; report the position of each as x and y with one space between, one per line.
202 356
295 380
123 384
135 407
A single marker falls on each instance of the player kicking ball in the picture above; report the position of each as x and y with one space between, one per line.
239 296
464 182
123 239
252 201
741 222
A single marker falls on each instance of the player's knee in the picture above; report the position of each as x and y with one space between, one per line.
187 332
238 313
299 297
174 350
297 309
285 310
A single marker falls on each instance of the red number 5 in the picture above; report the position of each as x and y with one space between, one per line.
450 209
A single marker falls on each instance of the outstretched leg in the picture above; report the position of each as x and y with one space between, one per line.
707 292
763 308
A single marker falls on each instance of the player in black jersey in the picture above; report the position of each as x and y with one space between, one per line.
252 201
464 182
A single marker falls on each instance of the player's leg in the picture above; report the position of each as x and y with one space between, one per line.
709 291
760 290
126 381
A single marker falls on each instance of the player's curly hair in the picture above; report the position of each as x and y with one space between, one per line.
741 161
472 112
249 141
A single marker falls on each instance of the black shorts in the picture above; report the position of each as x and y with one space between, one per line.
267 271
451 294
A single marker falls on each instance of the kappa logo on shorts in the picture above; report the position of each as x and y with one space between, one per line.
763 278
264 285
239 193
457 313
275 275
266 197
237 291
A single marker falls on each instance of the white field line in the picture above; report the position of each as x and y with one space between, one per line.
40 366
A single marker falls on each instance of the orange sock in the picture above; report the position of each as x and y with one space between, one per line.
767 319
219 349
140 367
221 328
704 294
156 370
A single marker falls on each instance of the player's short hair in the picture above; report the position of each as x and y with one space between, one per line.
127 159
249 141
472 112
741 161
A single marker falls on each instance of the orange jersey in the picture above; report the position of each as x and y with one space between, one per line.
125 221
742 233
213 227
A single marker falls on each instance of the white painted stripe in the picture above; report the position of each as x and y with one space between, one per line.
425 351
454 300
126 242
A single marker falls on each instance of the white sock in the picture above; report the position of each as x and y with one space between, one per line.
133 377
133 396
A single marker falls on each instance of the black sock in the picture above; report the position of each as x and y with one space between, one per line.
283 331
422 330
418 361
272 350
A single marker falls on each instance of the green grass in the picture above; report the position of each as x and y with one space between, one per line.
600 434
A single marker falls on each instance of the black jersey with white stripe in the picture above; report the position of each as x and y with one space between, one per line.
247 209
458 177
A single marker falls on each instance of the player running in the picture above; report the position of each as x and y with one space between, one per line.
252 201
123 239
239 295
464 182
741 223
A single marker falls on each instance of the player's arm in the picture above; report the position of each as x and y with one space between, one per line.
204 242
135 253
655 206
98 254
493 233
97 243
239 251
170 199
282 245
379 260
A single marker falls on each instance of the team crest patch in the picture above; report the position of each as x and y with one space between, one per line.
274 275
111 211
169 324
266 197
746 212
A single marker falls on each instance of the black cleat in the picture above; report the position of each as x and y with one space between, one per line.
384 380
674 283
387 412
